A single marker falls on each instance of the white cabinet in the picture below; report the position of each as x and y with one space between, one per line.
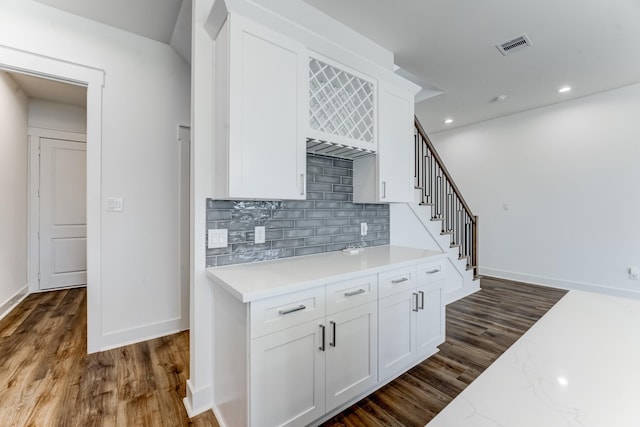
342 105
295 357
260 107
388 176
411 318
306 369
287 376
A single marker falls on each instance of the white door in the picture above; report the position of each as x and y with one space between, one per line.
63 219
430 318
352 353
397 333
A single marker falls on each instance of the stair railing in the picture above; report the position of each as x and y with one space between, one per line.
445 199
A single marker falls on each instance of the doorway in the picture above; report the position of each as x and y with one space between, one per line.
23 62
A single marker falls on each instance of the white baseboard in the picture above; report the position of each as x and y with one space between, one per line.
199 401
12 302
557 283
142 333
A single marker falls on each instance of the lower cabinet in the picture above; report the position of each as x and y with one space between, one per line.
287 376
310 352
412 323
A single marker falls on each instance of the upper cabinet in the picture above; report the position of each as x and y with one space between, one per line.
260 111
388 176
342 106
280 94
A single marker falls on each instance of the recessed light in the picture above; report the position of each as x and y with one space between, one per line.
564 89
448 121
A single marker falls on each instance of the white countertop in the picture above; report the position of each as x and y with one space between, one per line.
575 367
259 280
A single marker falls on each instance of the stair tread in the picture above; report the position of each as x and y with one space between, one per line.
437 219
444 233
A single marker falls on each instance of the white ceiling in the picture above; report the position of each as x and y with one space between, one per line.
449 45
50 90
591 45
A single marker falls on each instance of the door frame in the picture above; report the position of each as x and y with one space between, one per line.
24 62
34 135
184 215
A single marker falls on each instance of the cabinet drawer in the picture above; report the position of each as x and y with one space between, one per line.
351 293
392 282
430 272
281 312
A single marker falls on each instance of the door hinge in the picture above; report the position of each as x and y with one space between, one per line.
38 277
38 235
38 192
38 151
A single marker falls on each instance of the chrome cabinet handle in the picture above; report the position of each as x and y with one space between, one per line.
350 294
395 282
302 184
321 348
436 270
291 310
384 189
333 338
416 301
421 300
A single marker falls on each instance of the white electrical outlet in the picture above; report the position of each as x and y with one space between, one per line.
217 238
634 273
260 234
363 228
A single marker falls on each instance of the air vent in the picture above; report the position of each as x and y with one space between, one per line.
514 45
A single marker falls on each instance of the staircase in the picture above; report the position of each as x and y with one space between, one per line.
448 207
440 218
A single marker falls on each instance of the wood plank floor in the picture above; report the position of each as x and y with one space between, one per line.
46 378
480 328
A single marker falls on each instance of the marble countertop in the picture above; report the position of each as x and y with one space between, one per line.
259 280
575 367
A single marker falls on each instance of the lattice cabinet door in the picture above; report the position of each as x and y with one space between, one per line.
342 105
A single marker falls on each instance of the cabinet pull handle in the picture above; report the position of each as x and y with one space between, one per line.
421 300
384 189
333 330
404 279
350 294
302 184
321 348
416 301
291 310
435 270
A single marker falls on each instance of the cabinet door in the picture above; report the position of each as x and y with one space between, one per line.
352 362
431 318
397 333
287 377
395 145
267 108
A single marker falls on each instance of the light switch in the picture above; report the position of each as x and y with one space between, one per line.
217 238
363 228
260 234
115 204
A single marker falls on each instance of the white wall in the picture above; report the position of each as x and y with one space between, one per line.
57 116
13 191
570 175
145 96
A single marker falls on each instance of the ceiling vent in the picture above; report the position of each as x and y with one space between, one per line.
514 45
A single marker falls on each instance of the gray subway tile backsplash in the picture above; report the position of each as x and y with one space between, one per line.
326 221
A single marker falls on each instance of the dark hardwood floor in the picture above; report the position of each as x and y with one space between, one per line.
47 379
480 328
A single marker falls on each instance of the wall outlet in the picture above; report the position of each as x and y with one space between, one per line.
217 238
260 234
634 273
363 228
